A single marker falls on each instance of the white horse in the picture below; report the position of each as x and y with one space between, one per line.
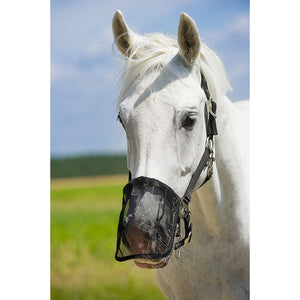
161 107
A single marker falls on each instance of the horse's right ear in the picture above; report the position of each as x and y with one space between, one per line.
188 39
121 33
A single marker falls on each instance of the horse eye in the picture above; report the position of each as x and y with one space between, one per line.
189 122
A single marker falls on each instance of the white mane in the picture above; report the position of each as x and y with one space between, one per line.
152 52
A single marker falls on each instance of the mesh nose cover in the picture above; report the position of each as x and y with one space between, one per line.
148 220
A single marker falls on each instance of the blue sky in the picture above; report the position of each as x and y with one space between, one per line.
84 67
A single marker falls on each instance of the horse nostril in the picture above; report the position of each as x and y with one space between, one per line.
135 240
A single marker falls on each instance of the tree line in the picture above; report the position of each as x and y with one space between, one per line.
89 165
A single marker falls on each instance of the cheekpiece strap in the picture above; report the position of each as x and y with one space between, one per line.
207 160
205 87
211 126
211 130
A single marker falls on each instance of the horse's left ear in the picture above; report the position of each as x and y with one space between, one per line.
188 39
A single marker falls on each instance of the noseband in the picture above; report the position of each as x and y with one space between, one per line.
181 209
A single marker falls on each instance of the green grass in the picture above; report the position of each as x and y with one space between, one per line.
83 238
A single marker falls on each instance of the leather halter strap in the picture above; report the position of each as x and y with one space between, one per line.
211 131
206 160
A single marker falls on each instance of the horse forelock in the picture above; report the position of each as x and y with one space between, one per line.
152 52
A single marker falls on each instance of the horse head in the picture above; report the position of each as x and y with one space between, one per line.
162 107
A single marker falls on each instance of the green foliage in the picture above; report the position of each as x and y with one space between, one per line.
83 239
88 166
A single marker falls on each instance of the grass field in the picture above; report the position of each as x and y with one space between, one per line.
84 216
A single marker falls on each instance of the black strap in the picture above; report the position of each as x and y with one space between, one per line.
202 164
205 87
187 230
211 130
211 126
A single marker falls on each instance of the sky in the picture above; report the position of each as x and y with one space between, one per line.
85 66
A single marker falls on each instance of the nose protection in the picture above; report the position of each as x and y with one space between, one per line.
148 220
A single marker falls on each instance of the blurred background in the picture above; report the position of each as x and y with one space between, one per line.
88 145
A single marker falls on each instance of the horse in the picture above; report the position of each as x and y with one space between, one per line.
184 137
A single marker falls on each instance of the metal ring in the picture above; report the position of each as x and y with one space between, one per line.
210 143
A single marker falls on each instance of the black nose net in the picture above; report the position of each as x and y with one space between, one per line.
148 220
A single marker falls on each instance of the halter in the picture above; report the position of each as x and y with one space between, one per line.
207 160
173 207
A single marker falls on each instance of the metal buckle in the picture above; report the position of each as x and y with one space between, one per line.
178 235
184 214
177 253
210 143
188 238
184 204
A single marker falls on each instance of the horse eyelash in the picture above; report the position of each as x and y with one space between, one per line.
120 120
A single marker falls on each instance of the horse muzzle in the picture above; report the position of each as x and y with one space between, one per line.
148 223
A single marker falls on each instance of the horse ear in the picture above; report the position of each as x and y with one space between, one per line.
188 39
121 33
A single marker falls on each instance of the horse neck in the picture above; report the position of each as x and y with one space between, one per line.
223 201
